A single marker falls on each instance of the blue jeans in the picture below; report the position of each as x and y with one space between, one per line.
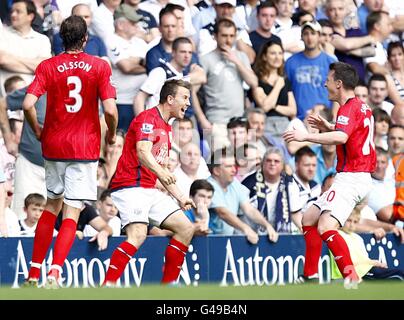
125 116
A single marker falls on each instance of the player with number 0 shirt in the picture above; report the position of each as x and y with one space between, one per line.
353 135
74 82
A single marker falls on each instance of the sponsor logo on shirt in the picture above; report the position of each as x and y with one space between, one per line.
147 128
343 120
162 154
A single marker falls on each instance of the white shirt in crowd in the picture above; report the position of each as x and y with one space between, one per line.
114 223
127 85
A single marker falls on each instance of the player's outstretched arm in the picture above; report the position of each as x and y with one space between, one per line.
330 138
320 123
30 114
185 202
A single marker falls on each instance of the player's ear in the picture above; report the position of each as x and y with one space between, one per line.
170 99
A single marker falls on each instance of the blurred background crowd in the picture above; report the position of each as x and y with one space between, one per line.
257 69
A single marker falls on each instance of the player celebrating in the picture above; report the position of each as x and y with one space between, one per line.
143 161
353 135
70 138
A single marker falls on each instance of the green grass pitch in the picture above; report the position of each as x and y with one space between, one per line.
335 291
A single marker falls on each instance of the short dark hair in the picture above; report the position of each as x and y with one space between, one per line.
346 73
181 40
381 151
298 14
105 194
35 199
395 126
380 115
266 4
325 23
393 45
73 32
217 156
237 122
10 82
304 151
31 9
165 11
361 83
200 184
225 23
170 7
373 18
170 88
376 77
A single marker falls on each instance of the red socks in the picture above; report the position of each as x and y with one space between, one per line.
42 241
119 259
64 241
314 245
341 254
175 255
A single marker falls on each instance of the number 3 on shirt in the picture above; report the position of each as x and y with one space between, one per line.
368 122
75 94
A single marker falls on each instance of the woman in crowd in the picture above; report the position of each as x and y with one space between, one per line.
274 92
395 53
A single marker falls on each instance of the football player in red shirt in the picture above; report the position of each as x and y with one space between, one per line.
353 135
74 82
144 160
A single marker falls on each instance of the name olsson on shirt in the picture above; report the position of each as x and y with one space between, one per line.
74 65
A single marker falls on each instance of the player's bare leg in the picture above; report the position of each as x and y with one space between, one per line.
183 231
327 227
136 235
43 238
313 242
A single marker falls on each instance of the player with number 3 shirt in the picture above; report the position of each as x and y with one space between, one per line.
74 82
353 135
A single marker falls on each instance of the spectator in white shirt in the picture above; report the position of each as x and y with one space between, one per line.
127 54
21 48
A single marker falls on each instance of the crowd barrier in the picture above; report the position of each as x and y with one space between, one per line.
218 259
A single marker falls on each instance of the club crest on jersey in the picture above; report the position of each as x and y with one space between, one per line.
147 128
365 107
343 120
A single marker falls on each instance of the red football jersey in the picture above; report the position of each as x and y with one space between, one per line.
358 153
148 125
73 83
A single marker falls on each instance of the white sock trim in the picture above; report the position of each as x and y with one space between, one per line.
57 267
36 265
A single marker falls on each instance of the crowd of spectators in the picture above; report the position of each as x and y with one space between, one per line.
257 68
